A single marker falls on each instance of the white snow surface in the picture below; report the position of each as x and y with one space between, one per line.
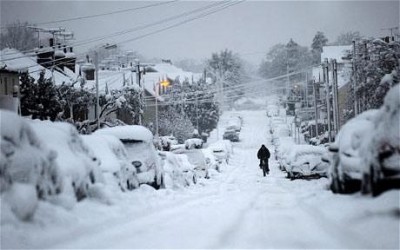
237 208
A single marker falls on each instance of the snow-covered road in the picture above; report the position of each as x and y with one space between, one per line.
237 209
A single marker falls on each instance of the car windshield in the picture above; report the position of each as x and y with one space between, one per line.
137 150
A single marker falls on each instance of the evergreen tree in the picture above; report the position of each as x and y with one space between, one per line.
39 100
377 70
172 122
318 42
18 36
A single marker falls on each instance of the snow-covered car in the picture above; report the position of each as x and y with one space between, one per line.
234 123
305 161
346 167
221 150
381 151
178 171
197 159
231 135
211 161
193 143
138 142
26 165
167 142
78 164
114 162
283 146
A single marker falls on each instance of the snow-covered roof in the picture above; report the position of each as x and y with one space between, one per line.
17 61
164 71
335 52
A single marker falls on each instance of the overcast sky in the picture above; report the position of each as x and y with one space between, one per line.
249 28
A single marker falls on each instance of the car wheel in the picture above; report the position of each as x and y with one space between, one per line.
374 182
366 184
335 187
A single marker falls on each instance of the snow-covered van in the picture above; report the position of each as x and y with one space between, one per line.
142 154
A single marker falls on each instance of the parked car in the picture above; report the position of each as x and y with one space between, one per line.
193 143
221 150
196 158
305 161
231 135
178 171
138 142
114 162
234 123
167 142
381 150
346 166
25 159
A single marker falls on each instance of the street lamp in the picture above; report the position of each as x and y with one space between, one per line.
96 62
165 83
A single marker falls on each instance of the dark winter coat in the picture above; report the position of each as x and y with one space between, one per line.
263 153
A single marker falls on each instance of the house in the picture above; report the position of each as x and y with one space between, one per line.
14 62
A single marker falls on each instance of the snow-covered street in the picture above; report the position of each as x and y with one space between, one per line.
237 209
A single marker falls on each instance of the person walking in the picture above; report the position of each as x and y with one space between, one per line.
263 154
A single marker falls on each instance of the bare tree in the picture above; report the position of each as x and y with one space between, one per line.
18 36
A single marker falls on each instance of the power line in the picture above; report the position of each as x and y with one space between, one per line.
99 15
140 27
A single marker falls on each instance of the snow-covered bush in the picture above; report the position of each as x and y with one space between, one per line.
114 162
78 165
26 162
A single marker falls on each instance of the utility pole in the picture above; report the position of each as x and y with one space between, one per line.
315 108
328 102
137 70
96 63
306 95
334 104
157 94
354 78
336 92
